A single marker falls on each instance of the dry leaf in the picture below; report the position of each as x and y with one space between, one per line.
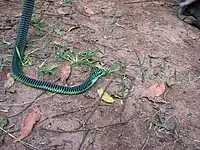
155 90
31 118
107 98
9 82
61 12
65 71
64 10
88 10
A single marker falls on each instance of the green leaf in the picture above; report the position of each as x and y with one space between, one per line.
4 42
190 115
57 29
67 1
3 121
112 69
37 23
49 70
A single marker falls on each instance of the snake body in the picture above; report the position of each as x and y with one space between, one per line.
19 47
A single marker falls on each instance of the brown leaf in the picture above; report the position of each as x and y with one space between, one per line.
88 10
31 118
10 81
155 90
65 71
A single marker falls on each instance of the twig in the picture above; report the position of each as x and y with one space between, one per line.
67 112
83 139
31 52
6 28
90 129
91 114
25 103
140 65
91 144
135 2
63 131
98 102
146 141
3 110
22 142
190 138
93 128
125 96
198 78
32 102
100 127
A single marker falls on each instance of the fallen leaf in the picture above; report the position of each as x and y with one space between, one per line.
88 10
107 98
31 118
61 12
10 81
65 71
73 28
155 90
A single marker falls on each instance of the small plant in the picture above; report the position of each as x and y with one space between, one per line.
31 44
57 29
67 1
190 115
81 58
37 23
75 57
113 68
5 62
27 61
3 121
47 70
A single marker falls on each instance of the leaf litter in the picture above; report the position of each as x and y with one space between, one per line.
88 10
155 90
105 97
9 83
65 71
28 123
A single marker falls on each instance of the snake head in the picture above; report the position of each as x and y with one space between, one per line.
97 73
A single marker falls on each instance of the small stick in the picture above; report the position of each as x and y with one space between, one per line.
147 139
135 2
83 140
99 101
32 102
22 142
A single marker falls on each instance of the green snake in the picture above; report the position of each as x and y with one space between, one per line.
18 52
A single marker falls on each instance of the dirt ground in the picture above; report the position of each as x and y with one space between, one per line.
151 44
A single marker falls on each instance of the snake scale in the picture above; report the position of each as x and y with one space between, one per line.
18 51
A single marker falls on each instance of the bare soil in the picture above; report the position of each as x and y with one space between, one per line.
150 43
